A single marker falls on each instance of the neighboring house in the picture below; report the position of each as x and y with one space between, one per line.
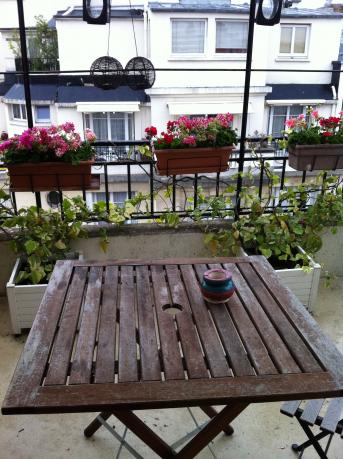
181 35
187 34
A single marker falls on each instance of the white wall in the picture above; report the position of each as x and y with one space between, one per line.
161 54
80 43
324 45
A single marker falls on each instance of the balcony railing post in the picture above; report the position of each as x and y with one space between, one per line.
25 64
250 45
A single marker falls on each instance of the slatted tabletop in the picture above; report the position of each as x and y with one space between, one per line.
105 338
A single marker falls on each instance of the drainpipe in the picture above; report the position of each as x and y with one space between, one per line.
145 25
25 64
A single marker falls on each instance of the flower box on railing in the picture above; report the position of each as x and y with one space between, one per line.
193 160
54 158
316 157
50 176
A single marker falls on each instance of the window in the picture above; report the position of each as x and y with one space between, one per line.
116 197
231 36
279 115
293 40
18 112
42 113
188 36
111 126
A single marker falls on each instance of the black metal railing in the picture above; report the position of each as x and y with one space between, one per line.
124 171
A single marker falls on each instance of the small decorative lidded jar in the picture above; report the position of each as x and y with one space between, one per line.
217 285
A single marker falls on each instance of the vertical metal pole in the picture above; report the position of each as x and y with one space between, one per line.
250 45
25 64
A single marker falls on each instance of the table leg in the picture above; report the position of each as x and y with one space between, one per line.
96 424
211 430
211 413
138 427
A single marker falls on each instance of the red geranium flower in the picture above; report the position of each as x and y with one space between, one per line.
151 131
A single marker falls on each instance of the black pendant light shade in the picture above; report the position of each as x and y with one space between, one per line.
268 12
95 14
107 72
139 73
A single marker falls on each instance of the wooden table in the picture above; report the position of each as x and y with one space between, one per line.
104 340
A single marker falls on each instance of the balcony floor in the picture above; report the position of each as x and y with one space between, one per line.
260 432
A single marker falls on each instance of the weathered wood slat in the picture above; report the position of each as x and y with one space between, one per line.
29 372
333 415
295 344
190 343
252 341
104 367
82 362
177 393
63 346
172 361
311 411
128 370
322 347
150 363
209 338
282 358
230 339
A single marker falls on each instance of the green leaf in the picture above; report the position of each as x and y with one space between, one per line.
31 246
60 245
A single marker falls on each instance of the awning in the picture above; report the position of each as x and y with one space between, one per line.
91 107
300 94
206 108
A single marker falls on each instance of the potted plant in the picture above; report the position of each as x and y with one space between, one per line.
315 142
196 145
49 158
39 238
287 234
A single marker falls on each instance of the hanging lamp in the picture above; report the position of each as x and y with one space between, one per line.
268 12
106 72
94 12
140 73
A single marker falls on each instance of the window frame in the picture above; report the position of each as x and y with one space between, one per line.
292 54
42 120
288 115
229 53
189 54
22 109
88 123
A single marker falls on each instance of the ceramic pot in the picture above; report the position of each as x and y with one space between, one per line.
217 285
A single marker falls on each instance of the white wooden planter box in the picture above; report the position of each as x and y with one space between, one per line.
23 301
304 284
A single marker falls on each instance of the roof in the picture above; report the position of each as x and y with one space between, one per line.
300 91
119 12
44 92
226 7
70 94
73 94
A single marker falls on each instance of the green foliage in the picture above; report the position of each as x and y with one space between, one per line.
40 237
310 137
42 44
276 234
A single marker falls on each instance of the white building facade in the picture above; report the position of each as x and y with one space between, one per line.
207 38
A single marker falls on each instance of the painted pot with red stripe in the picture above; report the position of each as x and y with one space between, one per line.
217 285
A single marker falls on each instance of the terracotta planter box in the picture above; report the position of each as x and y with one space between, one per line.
316 157
193 160
50 176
